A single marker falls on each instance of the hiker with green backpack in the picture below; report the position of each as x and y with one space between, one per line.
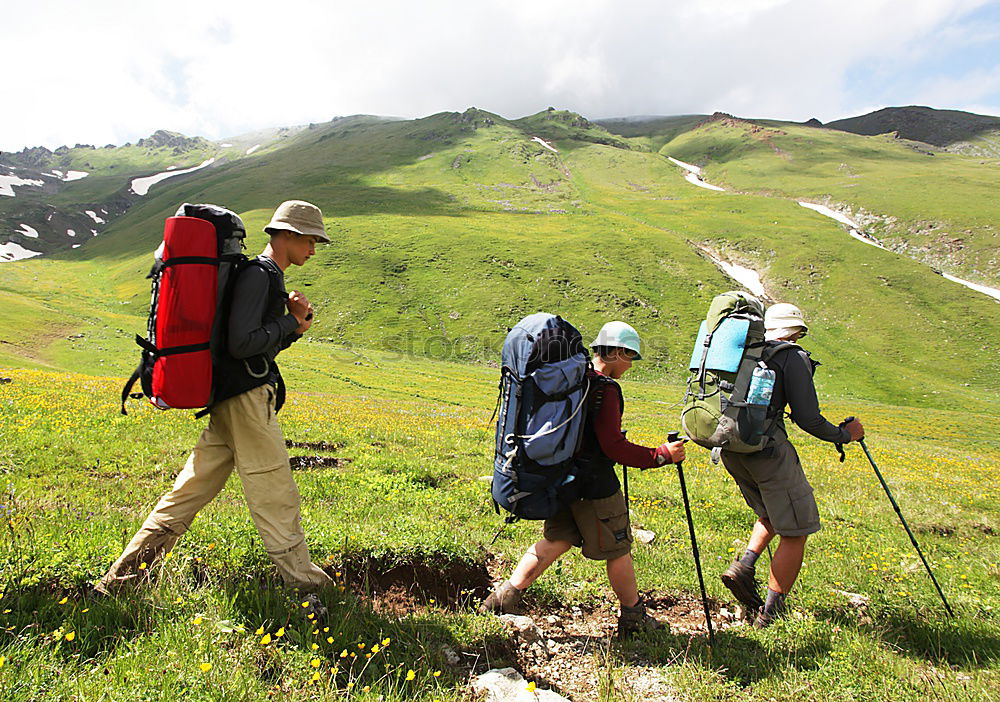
746 370
596 519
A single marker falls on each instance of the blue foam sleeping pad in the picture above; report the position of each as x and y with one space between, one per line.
726 349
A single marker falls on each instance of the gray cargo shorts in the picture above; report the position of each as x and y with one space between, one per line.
775 487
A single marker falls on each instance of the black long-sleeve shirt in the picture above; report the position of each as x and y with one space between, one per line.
794 387
251 333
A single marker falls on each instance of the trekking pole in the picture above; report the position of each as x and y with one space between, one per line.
672 437
906 526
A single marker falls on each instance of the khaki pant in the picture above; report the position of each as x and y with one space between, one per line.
243 432
600 527
775 487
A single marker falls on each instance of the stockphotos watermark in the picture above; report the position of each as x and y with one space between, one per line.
470 347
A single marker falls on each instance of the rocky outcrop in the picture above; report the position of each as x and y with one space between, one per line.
180 143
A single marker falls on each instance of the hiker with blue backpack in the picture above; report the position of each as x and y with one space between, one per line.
559 437
747 368
259 319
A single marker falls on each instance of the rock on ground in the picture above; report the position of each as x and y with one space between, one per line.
507 685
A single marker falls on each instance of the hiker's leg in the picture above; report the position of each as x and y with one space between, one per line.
203 476
761 536
537 558
621 575
271 493
786 563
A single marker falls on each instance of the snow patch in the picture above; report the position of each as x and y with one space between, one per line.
546 144
686 166
252 149
695 179
832 214
225 146
985 289
7 183
67 176
70 232
93 216
747 277
76 246
15 252
852 228
28 231
141 186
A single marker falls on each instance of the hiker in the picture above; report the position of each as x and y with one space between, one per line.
243 431
598 521
772 480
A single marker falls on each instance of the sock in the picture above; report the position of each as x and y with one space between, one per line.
750 559
775 603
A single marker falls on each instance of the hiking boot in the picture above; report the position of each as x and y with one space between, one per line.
764 620
741 582
312 604
506 599
633 620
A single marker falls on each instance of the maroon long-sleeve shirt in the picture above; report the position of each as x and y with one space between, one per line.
604 424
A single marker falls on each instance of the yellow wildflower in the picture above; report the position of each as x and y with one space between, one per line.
314 646
280 632
410 674
205 667
143 566
314 662
70 636
343 654
385 641
63 600
259 631
197 620
265 640
437 673
531 687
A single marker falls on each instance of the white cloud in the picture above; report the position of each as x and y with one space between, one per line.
105 71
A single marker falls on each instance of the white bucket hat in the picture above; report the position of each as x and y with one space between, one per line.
784 316
298 217
618 335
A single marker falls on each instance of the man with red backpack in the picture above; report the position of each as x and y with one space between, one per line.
598 521
243 431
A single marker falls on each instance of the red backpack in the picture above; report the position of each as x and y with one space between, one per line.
202 247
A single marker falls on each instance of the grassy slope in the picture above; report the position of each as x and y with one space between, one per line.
80 477
439 231
944 209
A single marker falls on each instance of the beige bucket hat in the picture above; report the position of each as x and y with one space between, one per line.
298 217
784 316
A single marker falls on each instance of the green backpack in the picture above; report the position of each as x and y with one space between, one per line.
729 391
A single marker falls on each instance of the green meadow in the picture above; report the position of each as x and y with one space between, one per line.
446 231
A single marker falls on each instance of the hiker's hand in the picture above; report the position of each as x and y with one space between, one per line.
672 452
856 430
301 309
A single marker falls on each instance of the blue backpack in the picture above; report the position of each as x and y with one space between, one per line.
543 389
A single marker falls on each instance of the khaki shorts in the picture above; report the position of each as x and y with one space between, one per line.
775 487
600 527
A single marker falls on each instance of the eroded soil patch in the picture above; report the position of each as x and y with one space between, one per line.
311 462
401 585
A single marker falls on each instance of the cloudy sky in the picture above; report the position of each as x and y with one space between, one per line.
106 71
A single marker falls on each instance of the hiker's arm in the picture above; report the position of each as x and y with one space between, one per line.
248 336
800 393
608 427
